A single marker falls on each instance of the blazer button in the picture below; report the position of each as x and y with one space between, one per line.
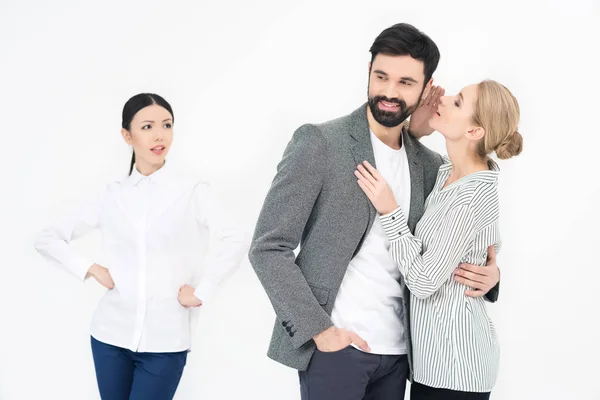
393 218
292 333
288 328
285 323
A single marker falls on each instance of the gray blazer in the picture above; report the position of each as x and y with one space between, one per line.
315 201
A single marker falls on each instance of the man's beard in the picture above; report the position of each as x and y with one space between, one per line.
391 119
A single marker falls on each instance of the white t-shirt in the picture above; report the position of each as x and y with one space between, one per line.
369 301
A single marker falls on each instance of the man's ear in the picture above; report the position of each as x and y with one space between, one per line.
427 89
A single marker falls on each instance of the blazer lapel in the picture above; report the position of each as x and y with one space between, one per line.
363 151
415 166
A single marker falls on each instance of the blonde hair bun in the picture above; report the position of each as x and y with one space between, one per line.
510 147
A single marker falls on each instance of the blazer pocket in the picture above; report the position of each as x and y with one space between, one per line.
320 293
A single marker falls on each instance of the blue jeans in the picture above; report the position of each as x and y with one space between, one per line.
126 375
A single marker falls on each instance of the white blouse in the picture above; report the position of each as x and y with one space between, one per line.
154 229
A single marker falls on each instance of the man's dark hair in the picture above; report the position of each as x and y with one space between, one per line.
404 39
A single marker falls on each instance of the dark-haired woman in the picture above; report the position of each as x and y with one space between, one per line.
152 223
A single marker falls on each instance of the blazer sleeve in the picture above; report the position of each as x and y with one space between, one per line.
283 218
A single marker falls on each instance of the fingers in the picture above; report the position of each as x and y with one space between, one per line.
367 174
181 292
425 98
362 177
434 98
491 254
470 276
470 283
475 293
431 96
367 188
360 342
473 269
373 171
111 283
474 276
187 298
488 276
105 279
108 283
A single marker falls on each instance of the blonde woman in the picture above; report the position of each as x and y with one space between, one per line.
456 350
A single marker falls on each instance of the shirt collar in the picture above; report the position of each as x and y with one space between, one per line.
490 175
158 177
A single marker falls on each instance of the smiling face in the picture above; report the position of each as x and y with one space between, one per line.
396 84
150 134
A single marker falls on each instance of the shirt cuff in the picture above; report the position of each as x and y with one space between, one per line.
394 224
205 291
80 266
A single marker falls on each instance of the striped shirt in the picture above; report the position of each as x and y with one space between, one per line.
454 340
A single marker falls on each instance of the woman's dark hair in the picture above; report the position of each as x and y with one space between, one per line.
405 39
135 104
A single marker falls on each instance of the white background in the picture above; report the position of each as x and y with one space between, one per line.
241 76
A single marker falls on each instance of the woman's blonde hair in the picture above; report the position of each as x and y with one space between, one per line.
497 112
